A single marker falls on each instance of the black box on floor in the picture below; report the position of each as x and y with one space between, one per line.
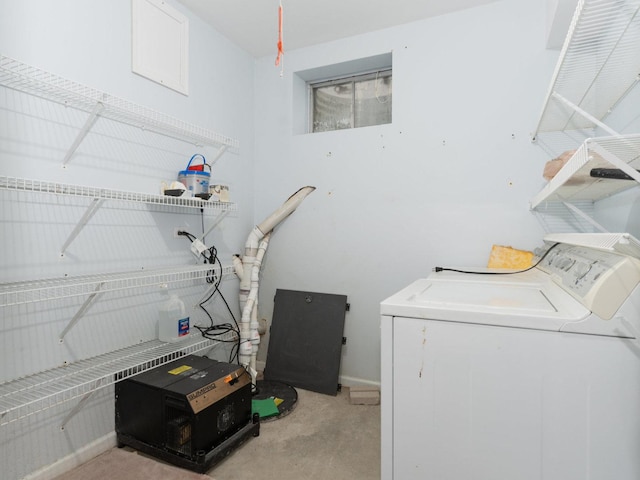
191 412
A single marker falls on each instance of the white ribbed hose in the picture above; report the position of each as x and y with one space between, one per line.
248 271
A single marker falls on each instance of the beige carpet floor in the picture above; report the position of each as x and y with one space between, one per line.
123 464
324 437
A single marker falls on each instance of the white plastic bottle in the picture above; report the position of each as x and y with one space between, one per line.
173 321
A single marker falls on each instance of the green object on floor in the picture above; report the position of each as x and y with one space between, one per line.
265 408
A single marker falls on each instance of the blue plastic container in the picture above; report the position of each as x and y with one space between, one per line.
194 178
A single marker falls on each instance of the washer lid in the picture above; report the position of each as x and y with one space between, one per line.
524 300
485 297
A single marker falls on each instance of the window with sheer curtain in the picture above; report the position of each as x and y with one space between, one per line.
351 102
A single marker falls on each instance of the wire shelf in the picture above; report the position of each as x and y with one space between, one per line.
623 243
35 393
23 184
598 65
19 293
574 182
32 80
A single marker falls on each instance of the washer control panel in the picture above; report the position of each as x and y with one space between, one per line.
601 280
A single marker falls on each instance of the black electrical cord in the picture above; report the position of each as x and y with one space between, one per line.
210 256
254 387
216 331
220 330
443 269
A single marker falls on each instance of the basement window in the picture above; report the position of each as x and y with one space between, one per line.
351 102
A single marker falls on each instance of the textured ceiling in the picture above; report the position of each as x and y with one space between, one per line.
253 24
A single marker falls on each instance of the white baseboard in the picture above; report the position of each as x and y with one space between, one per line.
347 381
75 459
343 379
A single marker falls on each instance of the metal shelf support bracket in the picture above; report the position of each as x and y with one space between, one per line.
93 116
215 223
85 306
615 161
584 216
221 151
80 405
585 114
93 207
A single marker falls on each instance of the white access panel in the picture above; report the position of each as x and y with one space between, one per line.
160 44
481 402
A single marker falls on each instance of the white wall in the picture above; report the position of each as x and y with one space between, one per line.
451 175
90 43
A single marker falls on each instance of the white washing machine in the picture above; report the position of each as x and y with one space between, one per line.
528 376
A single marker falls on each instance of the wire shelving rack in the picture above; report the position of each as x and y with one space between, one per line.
38 186
19 293
49 86
34 393
598 67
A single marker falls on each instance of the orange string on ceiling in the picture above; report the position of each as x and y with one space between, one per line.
280 48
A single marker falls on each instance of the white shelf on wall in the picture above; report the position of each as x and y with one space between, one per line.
623 243
574 182
22 184
25 396
100 195
19 293
599 64
26 78
32 394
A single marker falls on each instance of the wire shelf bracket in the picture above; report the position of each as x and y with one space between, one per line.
214 224
93 207
584 216
81 311
585 114
93 116
80 405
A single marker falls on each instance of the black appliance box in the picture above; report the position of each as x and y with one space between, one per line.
191 412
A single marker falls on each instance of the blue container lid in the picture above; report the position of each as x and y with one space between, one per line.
186 173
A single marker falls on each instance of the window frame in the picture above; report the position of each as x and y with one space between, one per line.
352 79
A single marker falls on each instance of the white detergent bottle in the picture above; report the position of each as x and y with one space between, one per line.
173 321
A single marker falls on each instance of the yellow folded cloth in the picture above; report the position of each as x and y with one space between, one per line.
508 257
